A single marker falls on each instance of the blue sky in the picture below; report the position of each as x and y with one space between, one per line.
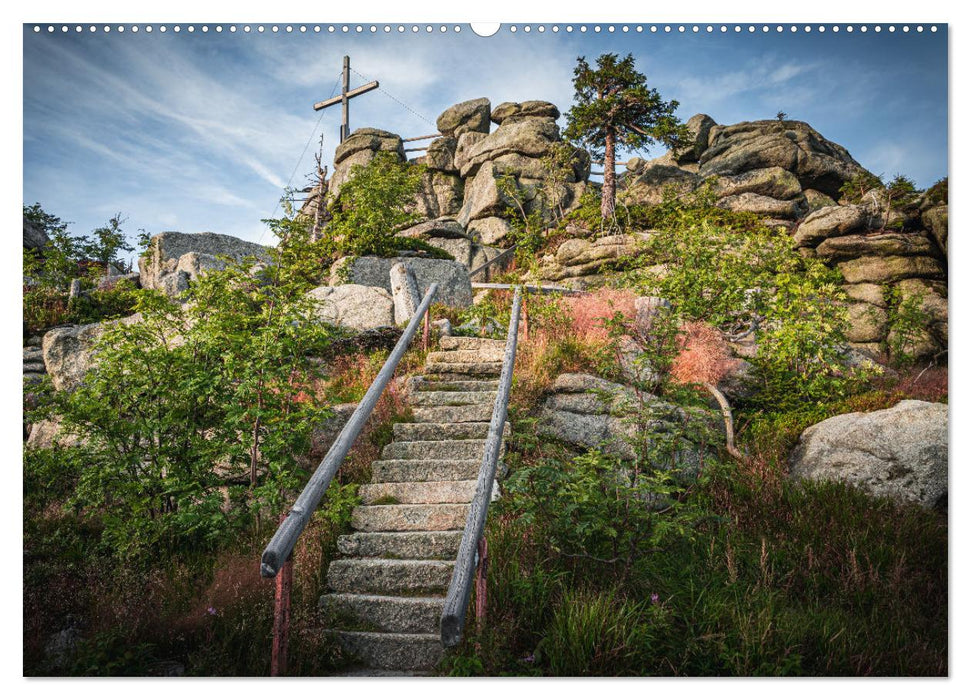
201 132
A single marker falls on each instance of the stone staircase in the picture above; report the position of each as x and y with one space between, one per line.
388 588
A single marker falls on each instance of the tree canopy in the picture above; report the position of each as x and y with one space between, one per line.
615 107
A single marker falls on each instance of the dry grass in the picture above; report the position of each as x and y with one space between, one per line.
705 356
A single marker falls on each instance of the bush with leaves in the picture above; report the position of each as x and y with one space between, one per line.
376 201
48 273
737 274
192 416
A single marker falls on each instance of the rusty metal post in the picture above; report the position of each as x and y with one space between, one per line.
425 332
525 320
481 593
281 619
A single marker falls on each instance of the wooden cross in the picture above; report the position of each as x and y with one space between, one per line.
345 96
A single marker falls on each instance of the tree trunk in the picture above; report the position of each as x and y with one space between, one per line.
609 192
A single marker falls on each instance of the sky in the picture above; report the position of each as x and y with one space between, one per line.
203 131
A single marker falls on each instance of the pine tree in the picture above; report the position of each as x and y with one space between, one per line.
615 107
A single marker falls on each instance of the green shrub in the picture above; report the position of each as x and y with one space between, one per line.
377 200
193 416
906 324
733 272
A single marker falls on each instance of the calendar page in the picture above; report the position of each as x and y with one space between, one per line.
518 349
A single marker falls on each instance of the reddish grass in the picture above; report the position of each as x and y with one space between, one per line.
705 356
588 312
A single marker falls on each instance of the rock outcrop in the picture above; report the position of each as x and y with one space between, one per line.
174 259
582 262
355 306
899 452
454 285
35 237
359 149
789 174
818 163
69 352
590 412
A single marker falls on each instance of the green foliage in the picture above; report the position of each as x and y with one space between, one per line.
733 272
107 242
192 398
598 508
613 108
109 301
111 654
801 352
376 201
614 100
48 274
528 227
780 578
57 264
907 324
937 193
895 194
597 634
297 252
853 190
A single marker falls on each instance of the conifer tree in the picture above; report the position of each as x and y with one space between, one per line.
615 107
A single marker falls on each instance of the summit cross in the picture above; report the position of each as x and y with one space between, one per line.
345 97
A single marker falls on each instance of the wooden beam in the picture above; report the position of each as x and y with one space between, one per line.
421 138
350 93
529 288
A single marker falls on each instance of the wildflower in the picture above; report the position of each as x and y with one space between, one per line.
529 659
655 599
211 610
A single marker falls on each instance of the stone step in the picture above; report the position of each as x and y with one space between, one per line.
399 470
473 413
466 369
33 354
465 356
460 342
34 367
418 492
451 377
381 613
434 449
401 545
391 650
407 576
410 517
460 385
444 431
452 398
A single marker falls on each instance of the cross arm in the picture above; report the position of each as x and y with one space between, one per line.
350 93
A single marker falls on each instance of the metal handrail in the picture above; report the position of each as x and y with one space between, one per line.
496 260
460 587
284 539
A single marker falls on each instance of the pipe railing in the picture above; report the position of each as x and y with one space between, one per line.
460 587
502 257
282 543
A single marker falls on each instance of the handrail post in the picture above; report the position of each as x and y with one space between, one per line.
281 619
460 587
525 321
481 592
425 333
